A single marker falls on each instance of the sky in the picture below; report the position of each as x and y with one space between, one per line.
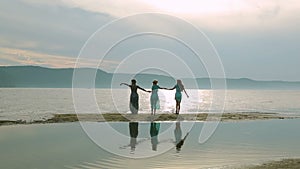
257 39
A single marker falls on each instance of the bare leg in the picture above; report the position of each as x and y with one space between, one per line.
176 111
154 107
177 107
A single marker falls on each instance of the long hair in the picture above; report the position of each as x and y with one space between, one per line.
181 86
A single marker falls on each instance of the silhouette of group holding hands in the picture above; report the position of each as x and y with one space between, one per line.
154 133
154 99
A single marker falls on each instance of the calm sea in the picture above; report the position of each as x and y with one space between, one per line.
67 146
40 103
142 144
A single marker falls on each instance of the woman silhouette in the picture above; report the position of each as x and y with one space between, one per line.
178 96
134 131
154 99
134 96
154 130
178 136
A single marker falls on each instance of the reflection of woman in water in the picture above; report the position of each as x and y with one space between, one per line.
134 131
154 130
179 88
134 97
178 135
154 100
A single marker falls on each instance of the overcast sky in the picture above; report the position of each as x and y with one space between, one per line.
257 39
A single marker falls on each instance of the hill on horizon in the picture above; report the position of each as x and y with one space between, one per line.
41 77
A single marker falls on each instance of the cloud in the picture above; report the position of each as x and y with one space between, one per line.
25 57
46 28
19 43
256 35
214 14
116 8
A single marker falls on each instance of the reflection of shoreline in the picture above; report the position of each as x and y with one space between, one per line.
114 117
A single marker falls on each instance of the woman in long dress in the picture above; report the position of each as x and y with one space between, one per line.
178 96
154 99
134 96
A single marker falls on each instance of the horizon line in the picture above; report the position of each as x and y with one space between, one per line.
229 78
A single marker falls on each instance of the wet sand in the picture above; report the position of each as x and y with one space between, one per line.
115 117
282 164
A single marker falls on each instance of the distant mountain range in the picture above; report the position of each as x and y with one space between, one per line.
40 77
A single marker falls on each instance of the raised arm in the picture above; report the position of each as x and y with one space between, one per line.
186 93
143 89
125 84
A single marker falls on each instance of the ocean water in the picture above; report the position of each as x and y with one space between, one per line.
110 145
233 145
41 103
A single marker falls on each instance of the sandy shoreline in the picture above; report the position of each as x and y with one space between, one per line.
115 117
284 163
